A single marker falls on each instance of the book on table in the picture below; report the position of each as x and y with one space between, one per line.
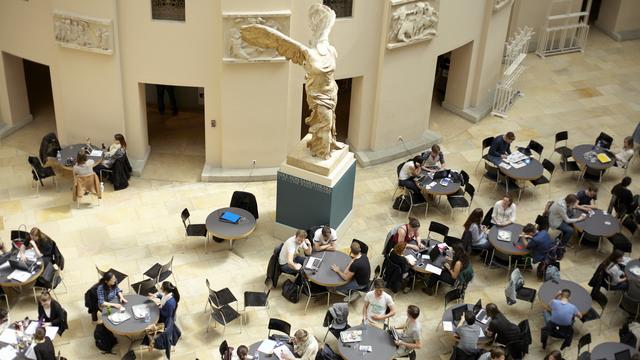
504 235
350 336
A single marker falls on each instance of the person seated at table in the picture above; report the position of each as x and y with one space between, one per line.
167 300
305 346
587 198
434 159
504 211
51 313
504 330
624 156
409 232
624 197
468 333
612 266
493 354
242 353
357 272
560 219
289 260
559 315
554 355
325 239
451 271
410 339
109 294
478 232
83 167
41 244
44 349
538 242
4 320
376 303
397 258
116 150
500 147
407 177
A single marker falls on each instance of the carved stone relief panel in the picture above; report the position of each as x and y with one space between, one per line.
499 4
83 33
342 8
238 51
412 21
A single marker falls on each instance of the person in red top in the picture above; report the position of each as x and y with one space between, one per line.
407 233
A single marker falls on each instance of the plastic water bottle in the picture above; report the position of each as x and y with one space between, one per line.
147 316
256 355
101 186
59 156
364 326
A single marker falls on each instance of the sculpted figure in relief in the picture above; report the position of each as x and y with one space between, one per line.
319 62
413 22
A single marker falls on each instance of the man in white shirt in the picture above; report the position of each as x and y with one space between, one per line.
504 211
376 303
289 260
325 239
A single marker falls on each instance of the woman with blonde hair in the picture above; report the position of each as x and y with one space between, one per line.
51 313
41 244
305 345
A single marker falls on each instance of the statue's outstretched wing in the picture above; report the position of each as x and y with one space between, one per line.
268 38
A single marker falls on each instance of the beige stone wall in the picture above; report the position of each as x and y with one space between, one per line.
620 19
256 106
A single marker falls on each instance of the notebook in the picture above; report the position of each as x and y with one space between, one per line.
504 235
351 336
230 217
603 158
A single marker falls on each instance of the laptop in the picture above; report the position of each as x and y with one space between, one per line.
314 262
477 307
623 355
20 265
481 314
458 313
5 257
441 174
230 217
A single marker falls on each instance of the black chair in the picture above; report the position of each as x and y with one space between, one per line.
619 240
258 298
438 228
465 180
398 187
536 147
461 202
364 248
604 140
542 222
224 348
312 290
39 172
491 173
220 298
486 221
161 272
454 295
452 240
145 287
550 168
526 294
119 275
193 229
601 299
486 143
563 150
245 200
119 173
459 354
525 336
585 340
281 326
223 316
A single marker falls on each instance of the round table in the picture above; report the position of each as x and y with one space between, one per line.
5 282
448 316
531 171
324 275
132 327
382 342
71 152
424 261
579 156
229 231
513 247
608 350
254 347
627 269
599 224
579 296
438 189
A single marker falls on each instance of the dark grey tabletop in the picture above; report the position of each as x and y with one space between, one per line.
579 296
531 171
324 275
228 231
631 265
513 247
71 151
448 316
382 342
599 224
20 354
6 270
254 347
133 326
423 259
437 188
579 156
608 350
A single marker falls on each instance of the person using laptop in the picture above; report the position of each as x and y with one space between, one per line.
356 273
587 198
504 211
325 239
434 159
51 313
410 339
409 232
504 330
500 147
376 303
493 354
407 177
289 260
41 244
242 353
468 332
560 219
109 294
538 242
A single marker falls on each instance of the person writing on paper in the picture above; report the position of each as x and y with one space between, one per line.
116 150
42 245
289 260
305 346
407 178
434 159
83 167
624 156
559 216
325 239
408 233
376 304
468 332
500 147
357 272
538 242
43 348
504 211
410 338
51 313
587 198
109 294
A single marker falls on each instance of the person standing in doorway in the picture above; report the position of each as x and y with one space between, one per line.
170 89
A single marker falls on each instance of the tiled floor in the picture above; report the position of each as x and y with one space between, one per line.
134 228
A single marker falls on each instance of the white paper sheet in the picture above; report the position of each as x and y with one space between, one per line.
96 153
19 275
505 165
8 353
51 332
8 336
283 352
433 269
267 347
31 352
412 259
518 164
447 326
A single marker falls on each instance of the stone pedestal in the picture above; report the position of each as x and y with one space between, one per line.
312 191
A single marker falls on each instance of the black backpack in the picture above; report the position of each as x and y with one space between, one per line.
327 353
401 203
291 291
105 341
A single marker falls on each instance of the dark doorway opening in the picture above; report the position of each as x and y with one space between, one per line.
37 78
595 9
343 110
442 76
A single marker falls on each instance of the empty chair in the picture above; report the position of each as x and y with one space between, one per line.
161 272
48 282
563 150
310 290
145 287
258 298
465 180
526 294
621 241
39 172
601 299
193 229
119 275
223 316
604 140
550 169
410 196
437 228
220 297
245 200
486 144
491 173
536 147
280 326
462 202
585 340
452 296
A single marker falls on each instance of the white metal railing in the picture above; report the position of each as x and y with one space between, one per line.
565 32
515 53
